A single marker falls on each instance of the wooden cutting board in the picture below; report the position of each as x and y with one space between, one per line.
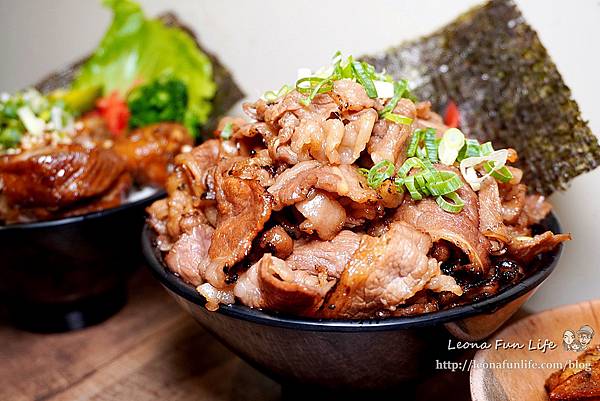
516 374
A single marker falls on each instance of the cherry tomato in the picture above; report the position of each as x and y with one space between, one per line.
452 115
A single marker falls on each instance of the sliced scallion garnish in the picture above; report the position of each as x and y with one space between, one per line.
227 131
471 148
398 118
399 89
316 85
430 145
455 207
409 183
363 77
363 171
409 164
502 174
414 142
447 182
272 96
379 173
451 144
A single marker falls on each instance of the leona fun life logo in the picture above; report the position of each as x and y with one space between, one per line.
579 340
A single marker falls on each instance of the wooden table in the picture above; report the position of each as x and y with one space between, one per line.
152 350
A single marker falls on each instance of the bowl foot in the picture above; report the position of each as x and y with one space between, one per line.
63 317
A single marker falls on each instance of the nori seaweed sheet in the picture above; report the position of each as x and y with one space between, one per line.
228 92
493 65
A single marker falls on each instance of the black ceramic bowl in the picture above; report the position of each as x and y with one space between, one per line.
370 354
70 273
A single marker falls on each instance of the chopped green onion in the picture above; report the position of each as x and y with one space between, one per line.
399 184
455 207
502 174
467 167
10 138
486 149
272 96
312 83
452 142
32 123
316 85
409 183
399 89
398 118
470 149
431 145
379 173
227 131
428 164
414 142
447 182
362 75
363 171
409 164
421 184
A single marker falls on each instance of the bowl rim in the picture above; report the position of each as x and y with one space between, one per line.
188 292
84 217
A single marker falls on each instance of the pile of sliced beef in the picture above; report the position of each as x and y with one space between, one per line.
279 217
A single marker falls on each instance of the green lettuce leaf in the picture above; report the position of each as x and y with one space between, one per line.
137 49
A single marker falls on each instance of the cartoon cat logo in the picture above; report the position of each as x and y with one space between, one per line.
578 341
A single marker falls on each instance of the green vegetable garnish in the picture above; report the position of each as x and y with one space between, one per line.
455 207
361 71
398 118
400 88
164 99
136 49
409 164
430 149
227 131
451 144
416 137
272 96
427 182
431 145
379 173
502 174
78 100
445 183
471 148
10 138
315 85
363 171
30 112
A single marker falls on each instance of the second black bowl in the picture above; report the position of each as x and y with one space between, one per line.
368 354
70 273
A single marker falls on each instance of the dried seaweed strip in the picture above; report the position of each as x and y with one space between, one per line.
228 92
493 65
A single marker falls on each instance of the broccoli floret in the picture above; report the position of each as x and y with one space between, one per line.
165 99
10 138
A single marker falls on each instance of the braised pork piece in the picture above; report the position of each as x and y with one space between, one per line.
91 171
579 380
339 200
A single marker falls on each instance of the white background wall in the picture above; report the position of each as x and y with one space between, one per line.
264 41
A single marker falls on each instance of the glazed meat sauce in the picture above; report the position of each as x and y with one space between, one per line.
95 172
